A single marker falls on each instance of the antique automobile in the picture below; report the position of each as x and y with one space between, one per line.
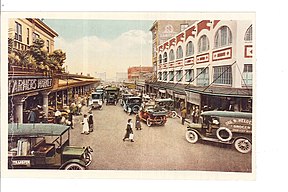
124 97
153 115
226 127
112 94
132 104
45 146
167 104
96 100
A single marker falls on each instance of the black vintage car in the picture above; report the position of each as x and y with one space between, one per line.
124 97
112 95
132 104
153 115
45 146
226 127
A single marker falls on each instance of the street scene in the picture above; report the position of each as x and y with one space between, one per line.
88 94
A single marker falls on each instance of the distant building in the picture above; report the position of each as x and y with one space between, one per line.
138 73
101 76
121 76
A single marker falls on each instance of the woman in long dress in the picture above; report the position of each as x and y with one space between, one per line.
129 131
85 125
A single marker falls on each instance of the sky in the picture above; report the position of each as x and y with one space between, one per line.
103 45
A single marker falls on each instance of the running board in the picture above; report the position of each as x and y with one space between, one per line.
215 140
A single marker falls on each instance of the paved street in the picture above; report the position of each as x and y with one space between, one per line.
155 148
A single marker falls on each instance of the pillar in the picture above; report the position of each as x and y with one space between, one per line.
18 115
45 102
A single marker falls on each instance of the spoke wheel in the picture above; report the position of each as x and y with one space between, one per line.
192 136
174 114
74 166
243 145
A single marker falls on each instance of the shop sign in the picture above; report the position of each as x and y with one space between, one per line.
193 98
239 125
18 85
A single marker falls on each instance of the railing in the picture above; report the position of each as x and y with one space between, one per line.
19 45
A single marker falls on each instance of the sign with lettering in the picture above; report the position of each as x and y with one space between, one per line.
21 162
24 84
238 124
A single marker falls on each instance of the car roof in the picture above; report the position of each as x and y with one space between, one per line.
38 129
234 114
161 100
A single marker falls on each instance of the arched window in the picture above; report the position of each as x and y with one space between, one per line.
165 57
223 37
171 55
160 59
203 44
179 53
189 49
248 34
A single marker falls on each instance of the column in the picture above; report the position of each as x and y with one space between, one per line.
45 102
18 102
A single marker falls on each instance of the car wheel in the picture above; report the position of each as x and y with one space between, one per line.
135 109
224 134
192 136
243 145
174 114
74 166
149 122
88 158
162 122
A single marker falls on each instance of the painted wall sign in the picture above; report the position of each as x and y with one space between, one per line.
24 84
222 54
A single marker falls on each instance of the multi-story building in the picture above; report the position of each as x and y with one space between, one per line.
162 30
209 64
23 32
138 73
30 86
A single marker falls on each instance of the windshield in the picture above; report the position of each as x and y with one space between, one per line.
96 96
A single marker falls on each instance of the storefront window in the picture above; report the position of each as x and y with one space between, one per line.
189 49
171 75
189 75
179 75
203 44
222 75
171 55
203 76
223 37
248 75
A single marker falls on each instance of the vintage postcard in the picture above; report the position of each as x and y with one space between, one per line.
128 95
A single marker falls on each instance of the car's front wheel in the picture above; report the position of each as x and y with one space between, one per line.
149 122
74 166
243 145
192 136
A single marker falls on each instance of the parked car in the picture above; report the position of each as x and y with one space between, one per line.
167 104
153 115
227 127
124 97
132 104
96 100
45 146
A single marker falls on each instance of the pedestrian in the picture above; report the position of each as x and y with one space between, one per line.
85 125
129 132
193 110
57 116
90 121
70 118
183 114
32 116
197 114
137 122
